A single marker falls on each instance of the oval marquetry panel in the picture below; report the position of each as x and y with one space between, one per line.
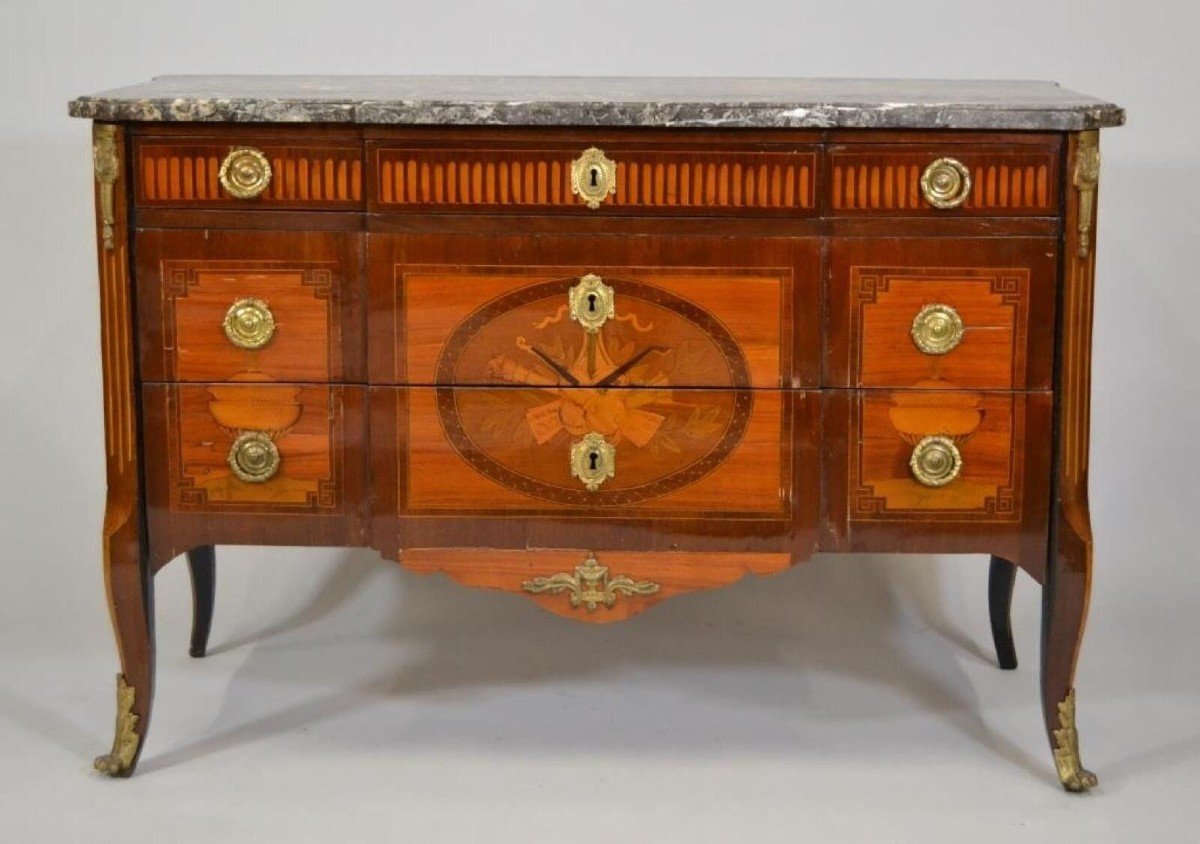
317 175
674 181
885 179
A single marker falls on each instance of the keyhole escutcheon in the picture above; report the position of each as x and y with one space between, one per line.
591 302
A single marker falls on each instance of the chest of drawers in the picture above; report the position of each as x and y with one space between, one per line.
597 343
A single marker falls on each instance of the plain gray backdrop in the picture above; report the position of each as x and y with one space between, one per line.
851 697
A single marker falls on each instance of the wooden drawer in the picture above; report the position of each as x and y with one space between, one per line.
687 311
674 174
250 306
595 586
928 471
941 314
304 170
216 445
510 450
1005 179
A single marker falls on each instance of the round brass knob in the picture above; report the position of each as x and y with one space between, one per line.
591 303
593 177
593 460
245 172
946 183
253 457
249 323
937 329
935 461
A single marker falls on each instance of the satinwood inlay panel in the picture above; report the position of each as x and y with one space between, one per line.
306 282
1001 292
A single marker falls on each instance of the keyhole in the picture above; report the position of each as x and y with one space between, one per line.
595 174
594 460
592 303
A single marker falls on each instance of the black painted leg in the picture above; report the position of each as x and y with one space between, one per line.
1001 577
202 563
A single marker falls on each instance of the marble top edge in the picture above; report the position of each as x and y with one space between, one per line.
736 102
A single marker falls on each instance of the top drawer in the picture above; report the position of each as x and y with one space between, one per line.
650 176
228 170
951 178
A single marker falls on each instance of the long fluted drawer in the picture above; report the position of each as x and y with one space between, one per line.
676 173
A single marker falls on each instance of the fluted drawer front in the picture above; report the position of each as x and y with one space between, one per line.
272 171
678 178
947 179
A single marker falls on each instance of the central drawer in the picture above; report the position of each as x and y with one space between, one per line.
598 312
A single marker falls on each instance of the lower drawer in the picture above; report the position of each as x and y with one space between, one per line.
934 471
260 463
499 467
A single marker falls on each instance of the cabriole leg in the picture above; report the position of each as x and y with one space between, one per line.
131 603
1064 611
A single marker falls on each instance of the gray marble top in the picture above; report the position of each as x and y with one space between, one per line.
606 101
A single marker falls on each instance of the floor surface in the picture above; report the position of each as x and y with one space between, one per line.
838 701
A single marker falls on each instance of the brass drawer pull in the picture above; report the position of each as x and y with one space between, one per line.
592 303
937 329
593 460
946 183
249 323
935 461
589 585
253 457
245 172
593 177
